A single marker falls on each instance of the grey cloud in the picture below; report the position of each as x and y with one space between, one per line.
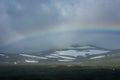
24 14
18 17
32 14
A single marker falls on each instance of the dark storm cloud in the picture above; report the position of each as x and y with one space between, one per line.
18 17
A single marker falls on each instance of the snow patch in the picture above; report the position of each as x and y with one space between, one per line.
66 57
91 52
59 56
80 53
15 62
52 56
70 53
2 55
96 57
64 60
31 61
32 56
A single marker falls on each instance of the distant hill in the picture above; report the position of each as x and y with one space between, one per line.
78 54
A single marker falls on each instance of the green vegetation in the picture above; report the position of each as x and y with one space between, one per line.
45 72
107 68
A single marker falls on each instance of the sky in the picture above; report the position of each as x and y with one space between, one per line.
36 25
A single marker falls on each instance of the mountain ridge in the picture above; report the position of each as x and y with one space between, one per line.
71 54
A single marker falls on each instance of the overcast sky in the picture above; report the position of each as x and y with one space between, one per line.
25 17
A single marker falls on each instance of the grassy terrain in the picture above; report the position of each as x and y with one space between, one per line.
60 72
107 68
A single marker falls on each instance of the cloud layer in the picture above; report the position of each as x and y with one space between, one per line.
20 17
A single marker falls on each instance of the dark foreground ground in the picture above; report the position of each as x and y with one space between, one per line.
37 72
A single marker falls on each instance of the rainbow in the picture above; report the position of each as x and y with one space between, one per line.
111 29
